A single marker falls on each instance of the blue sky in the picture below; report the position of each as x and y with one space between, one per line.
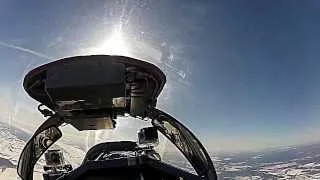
241 74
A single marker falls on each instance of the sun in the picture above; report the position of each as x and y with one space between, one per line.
114 45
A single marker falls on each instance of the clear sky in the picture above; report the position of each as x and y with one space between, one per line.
241 74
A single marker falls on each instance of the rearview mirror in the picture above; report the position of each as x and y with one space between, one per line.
35 147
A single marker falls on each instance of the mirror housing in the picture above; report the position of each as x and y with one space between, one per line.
91 91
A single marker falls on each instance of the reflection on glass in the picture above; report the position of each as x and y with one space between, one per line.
186 143
34 149
45 139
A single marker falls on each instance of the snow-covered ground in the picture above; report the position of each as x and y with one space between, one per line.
11 147
11 174
301 162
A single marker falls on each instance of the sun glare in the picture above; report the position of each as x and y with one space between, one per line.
114 45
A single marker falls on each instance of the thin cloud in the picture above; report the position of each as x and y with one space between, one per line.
26 50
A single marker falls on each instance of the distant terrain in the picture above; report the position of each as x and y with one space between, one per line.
298 162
